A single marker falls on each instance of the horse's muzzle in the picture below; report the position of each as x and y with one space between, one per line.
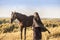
11 20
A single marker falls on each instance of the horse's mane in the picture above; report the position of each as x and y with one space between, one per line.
21 14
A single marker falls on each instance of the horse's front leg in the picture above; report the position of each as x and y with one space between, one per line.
25 33
21 32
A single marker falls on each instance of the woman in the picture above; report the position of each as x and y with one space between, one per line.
38 27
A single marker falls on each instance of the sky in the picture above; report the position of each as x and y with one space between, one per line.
45 8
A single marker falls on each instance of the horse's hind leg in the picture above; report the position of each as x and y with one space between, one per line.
21 32
25 33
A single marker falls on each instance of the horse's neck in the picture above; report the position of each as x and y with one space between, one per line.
21 17
18 17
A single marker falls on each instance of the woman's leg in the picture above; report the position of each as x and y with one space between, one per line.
37 33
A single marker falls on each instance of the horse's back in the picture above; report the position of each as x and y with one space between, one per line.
28 21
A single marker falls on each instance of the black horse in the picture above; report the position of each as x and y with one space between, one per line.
25 21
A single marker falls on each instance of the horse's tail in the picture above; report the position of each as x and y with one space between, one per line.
45 29
48 31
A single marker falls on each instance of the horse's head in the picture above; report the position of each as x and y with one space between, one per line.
13 16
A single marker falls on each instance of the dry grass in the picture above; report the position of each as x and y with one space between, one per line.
15 34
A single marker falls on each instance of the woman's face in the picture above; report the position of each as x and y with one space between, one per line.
35 15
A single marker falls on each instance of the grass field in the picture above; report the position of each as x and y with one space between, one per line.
10 31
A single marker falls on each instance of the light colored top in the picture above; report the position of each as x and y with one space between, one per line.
35 24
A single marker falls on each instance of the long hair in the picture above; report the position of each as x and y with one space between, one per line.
37 18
